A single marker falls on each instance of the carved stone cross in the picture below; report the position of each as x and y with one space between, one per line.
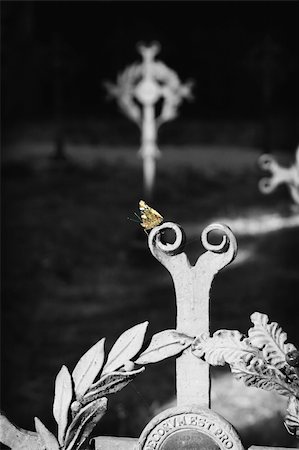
192 286
81 396
137 90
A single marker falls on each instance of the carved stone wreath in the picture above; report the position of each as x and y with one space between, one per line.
263 359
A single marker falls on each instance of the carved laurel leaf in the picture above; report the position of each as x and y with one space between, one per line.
110 383
163 345
291 421
126 347
83 423
88 367
225 346
270 338
48 439
259 374
62 400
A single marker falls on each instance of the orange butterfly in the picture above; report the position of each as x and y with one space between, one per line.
150 218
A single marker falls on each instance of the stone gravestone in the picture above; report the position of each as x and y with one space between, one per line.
138 90
262 359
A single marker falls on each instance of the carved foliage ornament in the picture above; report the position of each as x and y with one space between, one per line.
263 360
80 397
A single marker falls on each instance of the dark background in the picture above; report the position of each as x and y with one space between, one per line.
74 269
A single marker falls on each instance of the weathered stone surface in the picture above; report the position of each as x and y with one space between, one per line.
17 438
113 443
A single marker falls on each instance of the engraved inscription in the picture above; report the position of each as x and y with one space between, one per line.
189 427
187 431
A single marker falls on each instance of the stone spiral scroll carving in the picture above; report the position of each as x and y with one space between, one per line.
228 239
227 246
156 236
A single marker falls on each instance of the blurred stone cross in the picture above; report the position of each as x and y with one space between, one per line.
137 91
280 175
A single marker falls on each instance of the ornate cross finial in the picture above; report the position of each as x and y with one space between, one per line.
280 175
192 286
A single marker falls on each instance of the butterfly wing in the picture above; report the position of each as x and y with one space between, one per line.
150 218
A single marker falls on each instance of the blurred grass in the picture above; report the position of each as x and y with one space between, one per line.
75 269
